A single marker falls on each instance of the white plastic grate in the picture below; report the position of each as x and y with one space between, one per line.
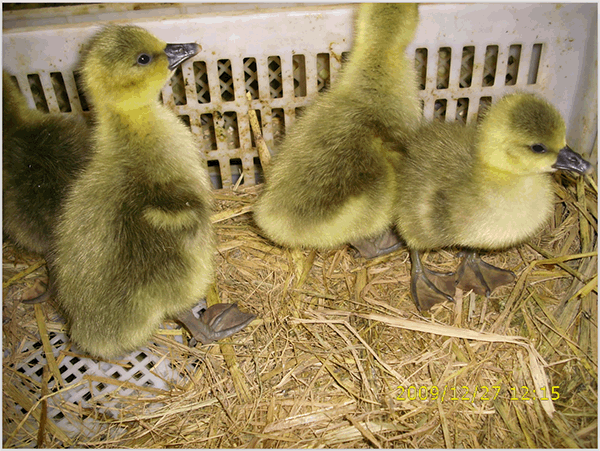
99 382
466 56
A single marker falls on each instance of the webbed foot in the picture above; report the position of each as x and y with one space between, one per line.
216 322
43 297
427 287
383 244
479 276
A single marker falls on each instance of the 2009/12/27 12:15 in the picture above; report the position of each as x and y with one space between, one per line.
424 393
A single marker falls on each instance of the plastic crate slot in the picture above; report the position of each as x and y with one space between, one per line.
178 87
201 78
57 340
260 125
209 137
79 86
421 67
490 66
39 371
443 68
116 374
534 65
275 80
299 64
16 82
186 120
60 90
69 378
466 66
225 80
230 125
439 109
484 104
214 172
278 124
258 171
299 111
35 84
462 110
251 76
236 170
323 72
512 65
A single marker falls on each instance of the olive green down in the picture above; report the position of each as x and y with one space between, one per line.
480 186
135 243
483 186
42 153
329 182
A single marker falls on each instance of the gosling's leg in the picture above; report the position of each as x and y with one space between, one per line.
383 244
429 287
216 322
479 276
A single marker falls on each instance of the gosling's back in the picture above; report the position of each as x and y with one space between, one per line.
42 154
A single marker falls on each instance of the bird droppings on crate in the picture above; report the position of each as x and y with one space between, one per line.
340 356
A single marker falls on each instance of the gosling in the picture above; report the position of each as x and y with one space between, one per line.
135 242
485 186
328 183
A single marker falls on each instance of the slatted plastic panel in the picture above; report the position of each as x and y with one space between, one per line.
93 383
466 56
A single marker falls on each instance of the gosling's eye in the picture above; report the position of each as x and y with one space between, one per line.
144 59
539 148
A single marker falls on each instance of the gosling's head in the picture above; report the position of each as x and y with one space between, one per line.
127 66
524 134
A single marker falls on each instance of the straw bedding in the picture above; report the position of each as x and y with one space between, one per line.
340 357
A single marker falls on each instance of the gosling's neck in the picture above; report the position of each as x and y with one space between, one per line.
377 59
129 118
376 67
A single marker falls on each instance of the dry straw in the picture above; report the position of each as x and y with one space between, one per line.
340 357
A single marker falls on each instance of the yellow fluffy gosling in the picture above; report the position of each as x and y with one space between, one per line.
486 186
135 244
329 182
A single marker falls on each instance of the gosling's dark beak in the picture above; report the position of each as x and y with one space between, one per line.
178 53
571 161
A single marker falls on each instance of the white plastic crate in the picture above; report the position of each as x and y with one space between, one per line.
466 55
